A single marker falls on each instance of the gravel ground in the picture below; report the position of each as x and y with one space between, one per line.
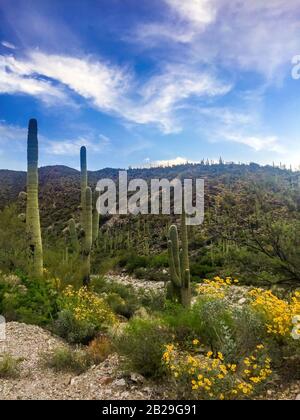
35 382
136 283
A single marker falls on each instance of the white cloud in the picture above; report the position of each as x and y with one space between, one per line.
179 160
9 132
15 136
8 45
14 80
166 93
242 126
199 12
65 147
109 88
71 147
93 80
258 143
254 35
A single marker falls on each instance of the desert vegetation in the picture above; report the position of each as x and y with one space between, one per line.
221 320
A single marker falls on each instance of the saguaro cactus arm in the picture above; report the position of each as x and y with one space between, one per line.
73 236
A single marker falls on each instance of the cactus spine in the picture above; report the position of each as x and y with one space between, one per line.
88 232
32 208
180 288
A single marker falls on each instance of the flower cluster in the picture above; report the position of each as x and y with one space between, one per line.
278 313
209 376
86 306
216 288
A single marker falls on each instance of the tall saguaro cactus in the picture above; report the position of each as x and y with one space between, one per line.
88 235
32 210
180 288
83 178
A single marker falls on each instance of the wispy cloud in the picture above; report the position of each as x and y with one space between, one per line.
10 132
179 160
14 136
14 80
251 35
240 126
198 12
257 143
71 147
8 45
109 88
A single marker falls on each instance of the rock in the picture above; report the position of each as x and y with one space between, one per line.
242 301
120 382
74 380
136 377
298 397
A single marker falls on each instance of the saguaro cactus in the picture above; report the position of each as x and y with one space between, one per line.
32 209
88 232
179 288
83 179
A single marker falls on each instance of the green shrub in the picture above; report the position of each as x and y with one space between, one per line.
125 300
133 262
83 314
67 360
153 300
122 299
74 331
26 300
12 240
9 366
142 342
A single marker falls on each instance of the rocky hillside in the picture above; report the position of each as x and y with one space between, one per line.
60 185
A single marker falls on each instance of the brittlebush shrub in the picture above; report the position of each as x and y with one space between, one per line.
142 342
210 377
83 314
208 318
216 288
278 314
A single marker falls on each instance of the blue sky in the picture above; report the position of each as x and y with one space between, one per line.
144 82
